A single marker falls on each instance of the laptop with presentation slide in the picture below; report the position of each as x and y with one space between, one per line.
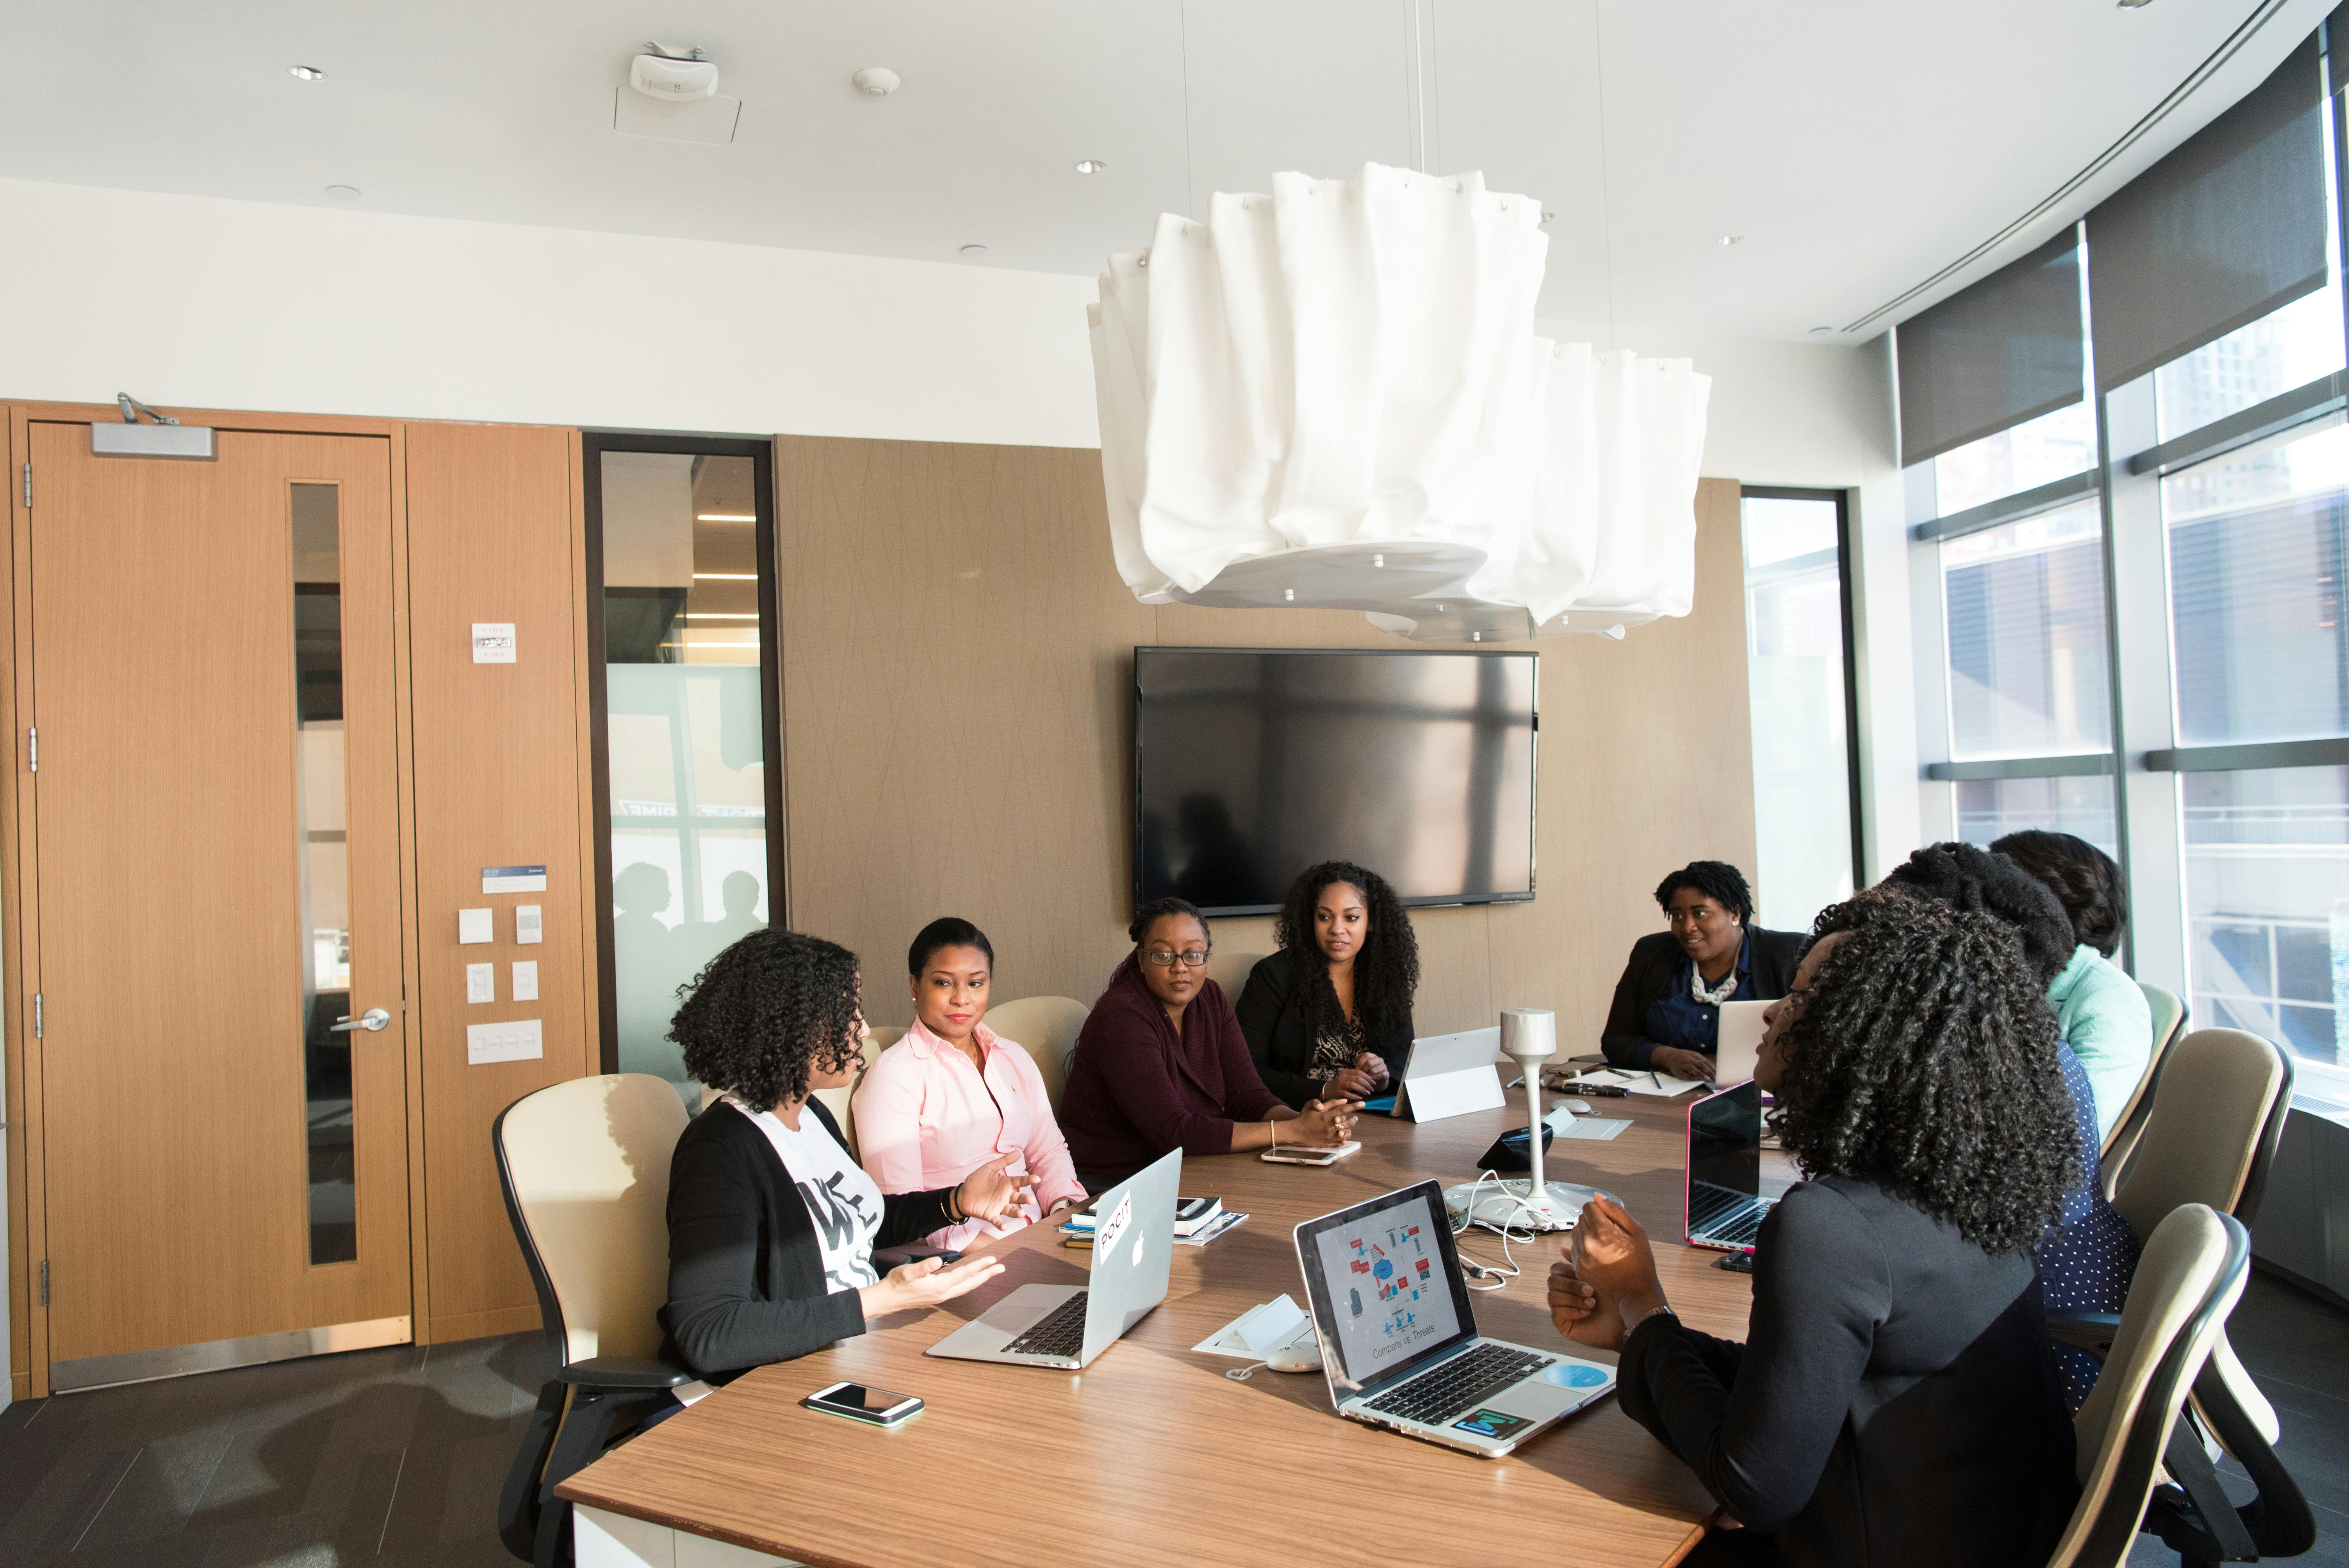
1738 1046
1399 1340
1726 1206
1451 1075
1066 1326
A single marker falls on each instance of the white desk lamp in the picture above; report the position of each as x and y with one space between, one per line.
1530 1036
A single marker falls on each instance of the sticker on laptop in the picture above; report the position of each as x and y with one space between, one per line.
1112 1230
1574 1375
1491 1423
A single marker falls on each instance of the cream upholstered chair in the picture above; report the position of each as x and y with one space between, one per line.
2188 1279
841 1102
1046 1027
2169 1025
583 1166
1230 971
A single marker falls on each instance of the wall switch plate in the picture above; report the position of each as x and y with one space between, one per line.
476 925
516 1040
525 980
480 982
528 927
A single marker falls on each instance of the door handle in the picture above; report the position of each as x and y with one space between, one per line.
374 1018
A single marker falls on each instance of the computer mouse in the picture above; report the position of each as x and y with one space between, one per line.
1295 1359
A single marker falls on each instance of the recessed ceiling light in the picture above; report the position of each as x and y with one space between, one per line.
344 192
1732 239
725 517
1091 166
878 81
309 73
972 252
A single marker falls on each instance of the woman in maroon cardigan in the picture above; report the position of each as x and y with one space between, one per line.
1161 1063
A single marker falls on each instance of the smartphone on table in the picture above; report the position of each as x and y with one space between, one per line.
858 1402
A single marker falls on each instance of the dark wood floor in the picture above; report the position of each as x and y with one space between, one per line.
396 1456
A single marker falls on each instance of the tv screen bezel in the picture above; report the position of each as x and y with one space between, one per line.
1434 901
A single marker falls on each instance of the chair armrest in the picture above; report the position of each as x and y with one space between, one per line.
2223 1376
619 1372
2092 1332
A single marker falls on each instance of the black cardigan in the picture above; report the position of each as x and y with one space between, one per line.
746 1281
1280 1035
1896 1400
1650 974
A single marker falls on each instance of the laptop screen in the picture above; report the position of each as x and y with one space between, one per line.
1724 1148
1386 1284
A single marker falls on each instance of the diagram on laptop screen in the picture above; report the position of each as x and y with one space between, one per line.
1387 1286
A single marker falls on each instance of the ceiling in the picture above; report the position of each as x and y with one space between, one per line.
1859 147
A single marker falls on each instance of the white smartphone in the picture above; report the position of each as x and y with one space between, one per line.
874 1407
1307 1154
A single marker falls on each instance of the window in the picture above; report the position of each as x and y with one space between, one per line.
2024 605
690 770
2038 451
1805 778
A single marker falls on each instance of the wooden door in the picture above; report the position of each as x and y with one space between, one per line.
216 836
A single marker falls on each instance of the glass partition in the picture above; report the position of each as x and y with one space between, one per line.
687 731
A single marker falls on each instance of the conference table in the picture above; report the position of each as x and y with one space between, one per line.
1152 1455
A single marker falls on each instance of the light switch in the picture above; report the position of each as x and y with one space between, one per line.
528 927
480 982
516 1040
525 980
476 925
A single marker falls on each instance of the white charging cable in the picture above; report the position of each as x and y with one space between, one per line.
1499 1273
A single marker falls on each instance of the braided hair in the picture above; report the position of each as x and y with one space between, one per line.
1386 968
766 1010
1968 877
1921 1060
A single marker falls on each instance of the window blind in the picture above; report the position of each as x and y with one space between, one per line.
2224 230
2000 351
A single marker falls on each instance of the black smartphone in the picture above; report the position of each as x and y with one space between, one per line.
874 1407
888 1258
1735 1263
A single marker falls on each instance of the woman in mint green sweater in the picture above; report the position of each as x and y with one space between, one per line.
2101 1013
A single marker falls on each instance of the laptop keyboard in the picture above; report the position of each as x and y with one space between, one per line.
1060 1333
1459 1384
1732 1222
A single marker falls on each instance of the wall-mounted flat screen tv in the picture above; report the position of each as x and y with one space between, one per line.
1251 764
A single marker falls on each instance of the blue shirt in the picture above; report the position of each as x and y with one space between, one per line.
2086 1260
1679 1020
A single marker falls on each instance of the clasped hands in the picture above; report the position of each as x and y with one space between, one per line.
1364 1079
1607 1281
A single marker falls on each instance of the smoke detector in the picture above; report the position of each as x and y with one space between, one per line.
673 74
672 96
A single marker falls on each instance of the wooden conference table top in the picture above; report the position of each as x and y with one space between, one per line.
1152 1455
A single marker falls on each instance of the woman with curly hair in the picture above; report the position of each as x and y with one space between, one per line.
1666 1010
1895 1401
2103 1017
1328 1016
771 1225
1161 1064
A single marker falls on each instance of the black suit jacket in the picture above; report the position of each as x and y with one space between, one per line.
1280 1035
1649 974
746 1281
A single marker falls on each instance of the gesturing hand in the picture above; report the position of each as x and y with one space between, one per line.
1610 1253
1578 1313
993 1190
926 1283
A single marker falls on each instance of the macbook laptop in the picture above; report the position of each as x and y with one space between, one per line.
1398 1341
1739 1044
1066 1326
1725 1206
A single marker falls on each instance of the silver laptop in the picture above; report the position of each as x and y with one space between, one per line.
1726 1206
1398 1341
1067 1326
1738 1046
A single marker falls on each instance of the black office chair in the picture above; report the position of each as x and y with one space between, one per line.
583 1166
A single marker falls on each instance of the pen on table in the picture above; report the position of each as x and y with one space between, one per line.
1653 1079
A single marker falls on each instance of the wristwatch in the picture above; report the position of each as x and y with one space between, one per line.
1662 1309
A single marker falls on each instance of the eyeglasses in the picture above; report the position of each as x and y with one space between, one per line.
1196 958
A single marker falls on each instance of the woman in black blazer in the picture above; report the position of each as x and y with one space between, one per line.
1328 1016
771 1224
1667 1009
1895 1401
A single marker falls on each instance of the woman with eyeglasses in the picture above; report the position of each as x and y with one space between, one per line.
1161 1064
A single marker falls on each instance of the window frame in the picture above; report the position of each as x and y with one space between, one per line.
761 450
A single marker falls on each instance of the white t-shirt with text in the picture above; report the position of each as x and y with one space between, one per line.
842 1199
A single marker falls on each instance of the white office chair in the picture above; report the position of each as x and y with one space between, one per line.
2169 1026
841 1101
1046 1027
583 1167
1230 971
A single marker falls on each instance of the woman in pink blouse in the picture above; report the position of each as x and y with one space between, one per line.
953 1095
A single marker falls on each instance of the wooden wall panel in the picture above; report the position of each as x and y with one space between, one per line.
497 783
957 677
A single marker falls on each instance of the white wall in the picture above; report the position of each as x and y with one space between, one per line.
199 301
